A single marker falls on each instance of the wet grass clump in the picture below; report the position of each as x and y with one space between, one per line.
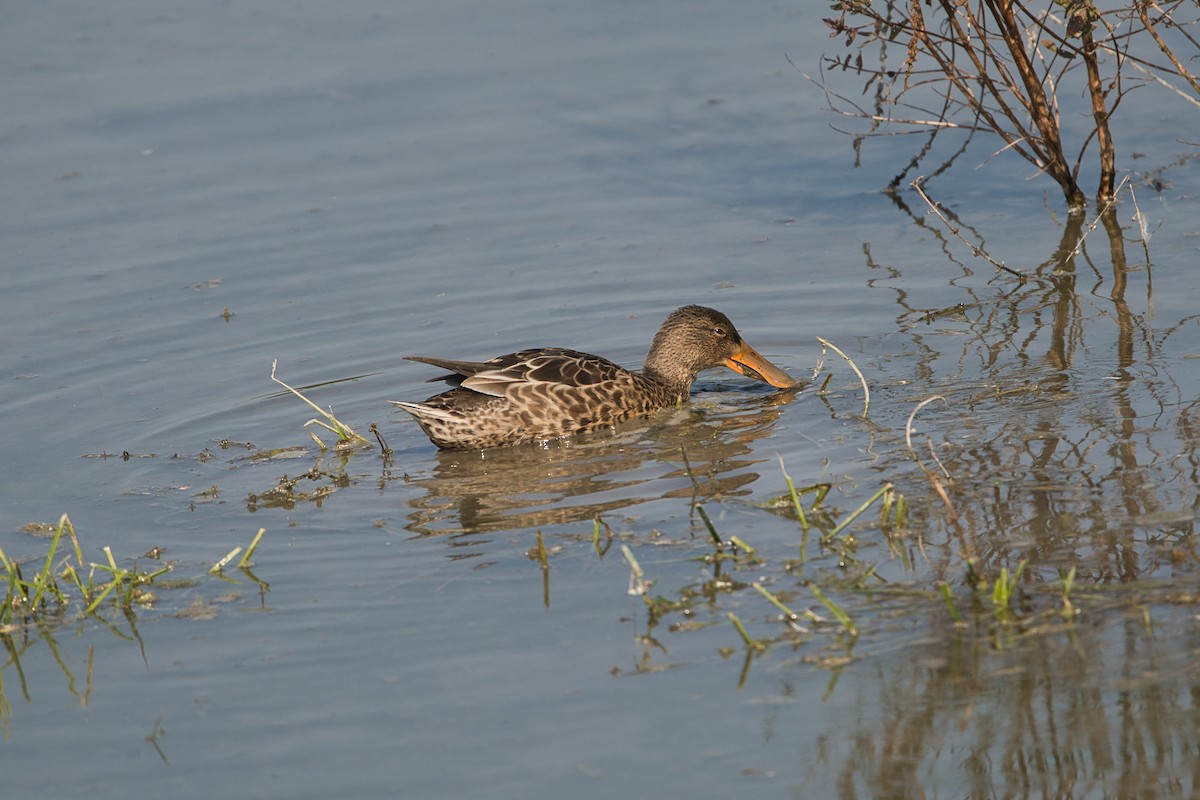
65 581
346 435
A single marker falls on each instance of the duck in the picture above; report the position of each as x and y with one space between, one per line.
545 393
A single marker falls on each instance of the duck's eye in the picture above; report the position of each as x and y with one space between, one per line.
719 331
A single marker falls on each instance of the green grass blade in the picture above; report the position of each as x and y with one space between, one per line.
948 599
835 609
220 565
343 431
43 580
245 560
741 545
795 497
65 520
788 614
100 597
858 511
751 644
712 530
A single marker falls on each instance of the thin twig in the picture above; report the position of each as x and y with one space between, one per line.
857 371
975 249
933 454
1096 219
937 486
1143 227
908 426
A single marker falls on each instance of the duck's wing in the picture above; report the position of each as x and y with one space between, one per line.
546 366
459 370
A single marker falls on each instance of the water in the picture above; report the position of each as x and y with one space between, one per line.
356 184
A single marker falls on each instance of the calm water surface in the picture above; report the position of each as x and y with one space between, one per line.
194 192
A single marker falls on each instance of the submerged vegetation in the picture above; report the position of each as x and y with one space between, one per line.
1014 607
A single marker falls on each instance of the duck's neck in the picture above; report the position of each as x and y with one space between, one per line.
678 381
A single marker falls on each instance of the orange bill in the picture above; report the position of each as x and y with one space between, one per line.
748 362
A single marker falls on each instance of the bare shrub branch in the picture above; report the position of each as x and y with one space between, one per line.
1000 66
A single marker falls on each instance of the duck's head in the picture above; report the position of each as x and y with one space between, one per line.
695 338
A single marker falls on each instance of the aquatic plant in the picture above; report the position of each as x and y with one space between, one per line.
345 434
48 593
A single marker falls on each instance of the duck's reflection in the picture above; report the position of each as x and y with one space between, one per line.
702 450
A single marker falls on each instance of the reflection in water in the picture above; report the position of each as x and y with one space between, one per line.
684 453
78 679
1068 445
1101 710
32 634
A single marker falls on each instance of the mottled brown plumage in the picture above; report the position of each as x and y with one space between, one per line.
549 392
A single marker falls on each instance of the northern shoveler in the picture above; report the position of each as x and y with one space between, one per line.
549 392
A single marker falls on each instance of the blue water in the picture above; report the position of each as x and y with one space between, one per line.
360 182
